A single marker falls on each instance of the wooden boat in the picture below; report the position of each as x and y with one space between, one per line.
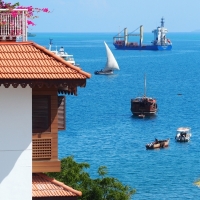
158 144
183 134
111 63
144 105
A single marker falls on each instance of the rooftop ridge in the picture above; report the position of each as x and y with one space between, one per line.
16 43
61 60
43 49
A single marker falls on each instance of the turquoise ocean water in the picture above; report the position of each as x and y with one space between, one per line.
101 129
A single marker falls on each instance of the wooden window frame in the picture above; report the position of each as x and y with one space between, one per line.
61 113
48 127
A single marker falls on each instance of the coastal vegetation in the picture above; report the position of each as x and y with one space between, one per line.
76 176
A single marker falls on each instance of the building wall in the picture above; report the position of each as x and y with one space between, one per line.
15 143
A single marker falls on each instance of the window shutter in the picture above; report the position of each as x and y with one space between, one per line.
41 114
61 113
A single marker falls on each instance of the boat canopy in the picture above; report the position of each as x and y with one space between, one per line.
184 129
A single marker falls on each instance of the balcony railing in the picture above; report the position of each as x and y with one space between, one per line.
12 27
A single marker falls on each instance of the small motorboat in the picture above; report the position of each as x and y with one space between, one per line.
158 144
183 134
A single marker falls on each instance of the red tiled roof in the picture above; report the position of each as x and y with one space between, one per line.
28 60
44 186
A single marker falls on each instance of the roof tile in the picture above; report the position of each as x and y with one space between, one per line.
44 186
28 60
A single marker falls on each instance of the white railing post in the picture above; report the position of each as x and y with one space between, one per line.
13 26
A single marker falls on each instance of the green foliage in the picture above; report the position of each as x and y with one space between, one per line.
102 188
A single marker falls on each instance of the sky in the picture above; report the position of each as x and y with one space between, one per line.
114 15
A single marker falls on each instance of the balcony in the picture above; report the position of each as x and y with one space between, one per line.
13 27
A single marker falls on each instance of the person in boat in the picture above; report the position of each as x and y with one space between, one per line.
156 141
183 134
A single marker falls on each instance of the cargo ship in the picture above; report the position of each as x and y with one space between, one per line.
160 42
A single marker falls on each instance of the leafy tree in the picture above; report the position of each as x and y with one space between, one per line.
102 188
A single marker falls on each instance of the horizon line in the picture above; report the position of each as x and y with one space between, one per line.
197 31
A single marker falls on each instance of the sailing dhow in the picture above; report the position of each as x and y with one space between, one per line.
141 106
111 63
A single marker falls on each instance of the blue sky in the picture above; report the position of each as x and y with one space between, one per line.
114 15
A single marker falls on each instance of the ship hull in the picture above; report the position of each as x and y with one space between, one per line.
144 47
103 73
144 105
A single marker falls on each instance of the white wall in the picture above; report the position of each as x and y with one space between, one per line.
15 143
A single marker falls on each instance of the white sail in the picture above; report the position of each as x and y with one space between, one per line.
111 63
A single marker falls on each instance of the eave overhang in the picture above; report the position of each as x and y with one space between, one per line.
63 86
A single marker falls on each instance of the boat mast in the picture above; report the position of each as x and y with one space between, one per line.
162 27
144 85
50 43
162 22
119 33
